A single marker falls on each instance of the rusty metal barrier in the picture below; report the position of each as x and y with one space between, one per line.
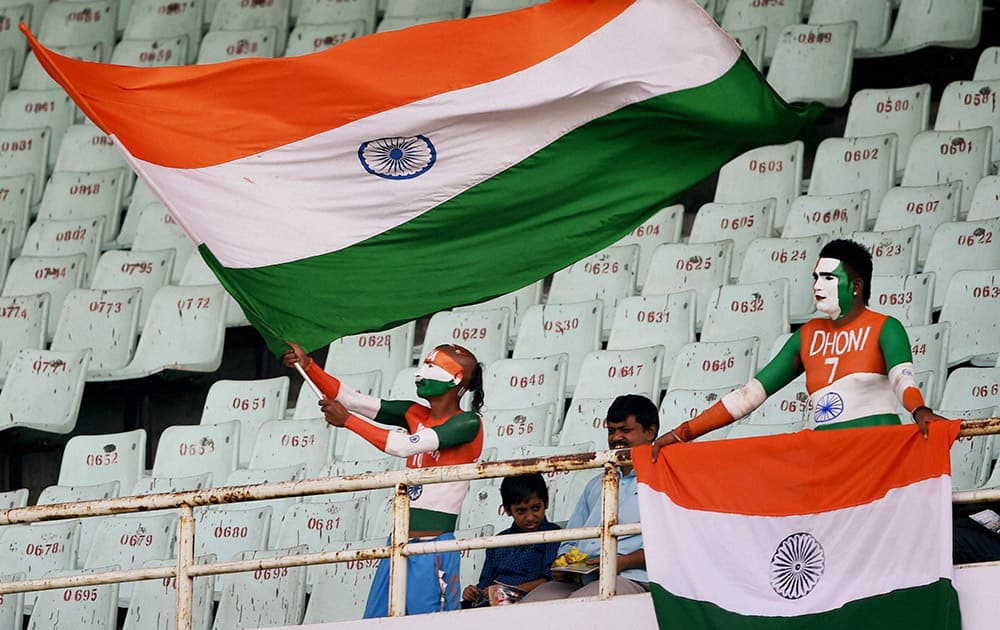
185 569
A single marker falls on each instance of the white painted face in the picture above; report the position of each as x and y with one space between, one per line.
831 288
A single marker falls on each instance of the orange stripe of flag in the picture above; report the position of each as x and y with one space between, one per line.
799 473
216 113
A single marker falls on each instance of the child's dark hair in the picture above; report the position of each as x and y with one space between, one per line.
642 408
856 259
521 488
476 387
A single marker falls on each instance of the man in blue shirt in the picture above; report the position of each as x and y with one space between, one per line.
632 420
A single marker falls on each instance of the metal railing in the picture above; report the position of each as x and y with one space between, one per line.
185 569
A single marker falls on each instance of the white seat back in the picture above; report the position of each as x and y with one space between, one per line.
38 109
517 302
96 459
894 252
338 12
702 267
344 585
286 442
972 388
925 207
154 602
922 23
814 63
236 15
586 421
278 507
516 383
106 322
75 23
970 306
130 541
679 405
262 598
389 351
228 530
609 373
962 246
92 607
737 311
39 549
739 222
903 111
155 53
54 275
22 326
664 320
230 44
986 199
937 157
715 364
907 297
43 390
72 494
406 8
663 227
551 329
508 430
483 333
119 269
309 38
789 258
970 105
846 165
66 238
608 275
158 230
15 14
871 16
12 605
250 402
152 19
25 152
929 346
321 526
195 449
773 171
988 66
833 215
84 195
790 405
741 14
13 499
15 202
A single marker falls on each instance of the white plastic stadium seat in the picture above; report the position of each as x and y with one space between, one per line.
586 422
150 53
227 530
937 157
845 165
338 12
742 14
25 152
15 201
75 23
609 373
970 105
11 38
664 320
762 173
394 23
345 587
185 330
39 549
142 198
34 77
970 306
92 607
925 207
157 600
508 430
154 485
903 111
322 525
250 402
715 364
120 269
229 44
95 459
130 541
922 23
789 258
84 195
158 230
483 333
43 390
237 15
389 351
287 442
985 199
54 275
663 227
516 383
517 302
972 388
906 297
970 459
13 499
702 267
738 222
738 311
988 66
152 19
962 246
871 16
833 215
309 38
555 328
12 604
929 347
608 275
35 109
788 406
492 7
484 506
22 326
814 63
190 450
105 322
679 405
269 475
262 598
72 494
197 271
415 8
66 238
894 252
752 41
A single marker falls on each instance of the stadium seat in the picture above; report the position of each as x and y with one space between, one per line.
228 44
15 202
970 105
609 373
472 560
12 605
403 387
95 459
664 320
75 196
962 245
154 485
22 326
985 199
250 402
715 364
394 23
184 330
184 450
66 238
11 39
517 383
988 66
608 275
929 347
344 467
743 14
36 109
54 275
814 63
25 152
307 404
10 499
389 351
905 297
971 305
157 600
833 215
894 252
344 585
679 405
43 390
237 15
846 165
483 333
420 8
150 53
492 7
142 197
86 148
762 173
787 407
970 462
937 157
738 311
517 302
262 598
227 530
484 506
509 430
871 16
663 227
738 222
91 607
270 475
287 442
752 41
586 422
790 258
74 493
196 271
78 23
103 321
158 230
925 207
157 19
903 111
702 267
318 12
321 525
120 269
923 23
549 329
972 388
39 549
130 541
565 490
309 38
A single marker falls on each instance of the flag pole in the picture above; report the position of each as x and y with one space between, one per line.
309 382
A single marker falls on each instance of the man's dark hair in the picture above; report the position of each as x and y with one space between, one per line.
521 488
857 260
641 407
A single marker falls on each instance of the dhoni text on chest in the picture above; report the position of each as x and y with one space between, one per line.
837 342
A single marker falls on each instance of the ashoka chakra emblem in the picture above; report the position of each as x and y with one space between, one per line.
797 565
398 158
828 407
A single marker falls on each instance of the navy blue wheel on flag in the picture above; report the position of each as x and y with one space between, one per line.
398 158
828 407
797 566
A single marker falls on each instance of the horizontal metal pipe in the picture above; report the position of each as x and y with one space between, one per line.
976 496
89 579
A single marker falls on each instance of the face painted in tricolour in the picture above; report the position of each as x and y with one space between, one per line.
437 374
832 288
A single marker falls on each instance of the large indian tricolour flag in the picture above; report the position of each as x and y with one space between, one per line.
405 172
819 529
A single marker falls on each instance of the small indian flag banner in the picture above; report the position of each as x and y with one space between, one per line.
818 529
402 173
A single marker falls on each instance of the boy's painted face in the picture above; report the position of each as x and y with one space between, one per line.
437 374
529 514
832 288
